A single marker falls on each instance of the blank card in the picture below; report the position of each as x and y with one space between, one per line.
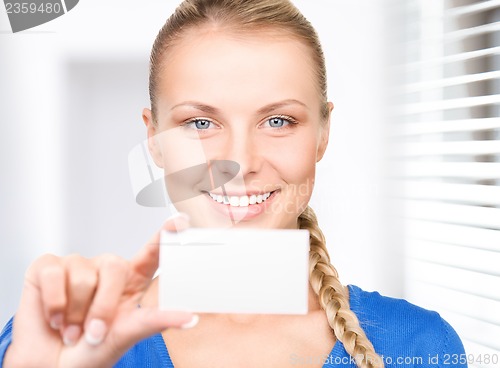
234 271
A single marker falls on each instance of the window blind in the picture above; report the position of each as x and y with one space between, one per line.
445 159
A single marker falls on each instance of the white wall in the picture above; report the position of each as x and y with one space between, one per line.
71 95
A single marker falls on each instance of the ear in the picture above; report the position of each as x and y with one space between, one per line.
152 130
324 135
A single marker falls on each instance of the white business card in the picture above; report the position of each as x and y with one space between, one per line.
235 271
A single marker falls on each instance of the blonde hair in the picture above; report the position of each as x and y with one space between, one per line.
334 298
275 17
240 17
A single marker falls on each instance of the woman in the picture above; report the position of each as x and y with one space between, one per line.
241 81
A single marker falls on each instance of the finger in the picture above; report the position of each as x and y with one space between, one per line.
81 285
145 262
51 281
31 330
113 272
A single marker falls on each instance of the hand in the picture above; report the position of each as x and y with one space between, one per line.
77 312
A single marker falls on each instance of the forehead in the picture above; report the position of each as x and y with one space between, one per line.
217 68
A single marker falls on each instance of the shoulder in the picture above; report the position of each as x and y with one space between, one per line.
403 330
385 314
5 339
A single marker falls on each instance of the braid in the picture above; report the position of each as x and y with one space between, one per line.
334 299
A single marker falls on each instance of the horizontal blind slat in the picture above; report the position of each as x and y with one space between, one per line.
469 170
474 283
472 193
464 125
453 36
476 147
454 234
453 81
452 58
459 302
473 8
456 103
472 329
472 31
453 213
477 260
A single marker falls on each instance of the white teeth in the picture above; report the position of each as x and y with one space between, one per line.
234 201
253 199
244 201
237 201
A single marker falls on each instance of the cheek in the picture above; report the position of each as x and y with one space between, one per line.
296 168
184 164
297 163
301 180
178 152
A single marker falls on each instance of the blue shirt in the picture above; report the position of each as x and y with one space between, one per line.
403 334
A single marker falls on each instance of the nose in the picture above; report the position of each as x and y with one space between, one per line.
242 147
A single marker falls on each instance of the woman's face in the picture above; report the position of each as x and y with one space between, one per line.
243 112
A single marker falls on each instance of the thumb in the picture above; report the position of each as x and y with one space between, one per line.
146 260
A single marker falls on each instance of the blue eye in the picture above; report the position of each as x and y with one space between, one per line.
279 122
199 124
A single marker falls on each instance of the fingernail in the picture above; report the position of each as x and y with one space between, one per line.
95 332
71 334
192 323
56 321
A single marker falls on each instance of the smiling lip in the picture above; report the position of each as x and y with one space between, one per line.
240 201
242 207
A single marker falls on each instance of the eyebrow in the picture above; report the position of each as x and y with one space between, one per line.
277 105
263 110
198 106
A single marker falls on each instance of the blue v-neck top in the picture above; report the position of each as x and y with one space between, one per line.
403 334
